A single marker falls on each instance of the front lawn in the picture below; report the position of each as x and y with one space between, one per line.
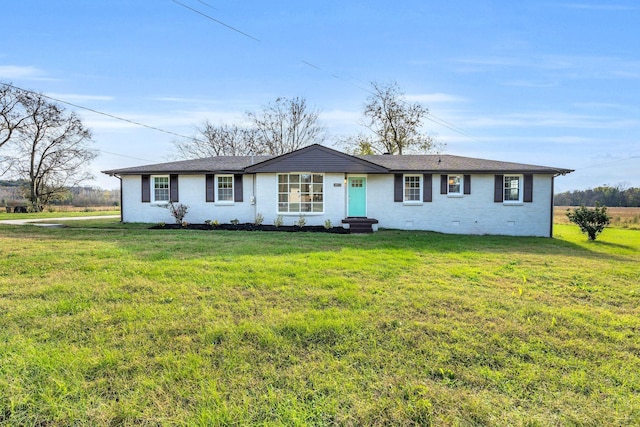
56 214
107 324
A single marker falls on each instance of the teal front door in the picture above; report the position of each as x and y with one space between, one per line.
357 196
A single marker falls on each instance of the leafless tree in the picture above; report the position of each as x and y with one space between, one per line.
286 125
10 112
51 149
11 119
218 140
395 124
280 127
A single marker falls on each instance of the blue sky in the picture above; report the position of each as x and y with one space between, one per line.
553 82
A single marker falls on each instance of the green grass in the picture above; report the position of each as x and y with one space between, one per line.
109 324
37 215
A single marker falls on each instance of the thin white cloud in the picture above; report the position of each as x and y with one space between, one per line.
530 84
548 62
550 119
601 105
572 66
434 98
517 140
585 118
73 97
625 74
599 7
182 122
235 104
493 61
340 116
21 72
185 121
197 117
560 139
96 123
341 122
180 100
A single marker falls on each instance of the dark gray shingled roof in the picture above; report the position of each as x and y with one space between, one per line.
422 163
221 164
448 163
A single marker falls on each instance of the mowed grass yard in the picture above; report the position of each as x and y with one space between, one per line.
105 324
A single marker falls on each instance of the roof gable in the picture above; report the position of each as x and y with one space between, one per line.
316 158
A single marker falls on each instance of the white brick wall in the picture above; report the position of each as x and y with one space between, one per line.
192 194
475 213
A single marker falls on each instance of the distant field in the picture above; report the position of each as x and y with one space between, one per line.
620 217
105 324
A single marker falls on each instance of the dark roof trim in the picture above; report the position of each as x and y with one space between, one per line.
547 171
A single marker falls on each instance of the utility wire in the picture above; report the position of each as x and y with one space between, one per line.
437 120
444 123
215 20
599 165
124 155
133 122
431 117
112 116
207 4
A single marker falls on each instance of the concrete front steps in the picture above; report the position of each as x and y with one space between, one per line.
360 225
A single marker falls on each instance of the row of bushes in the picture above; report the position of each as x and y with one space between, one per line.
179 211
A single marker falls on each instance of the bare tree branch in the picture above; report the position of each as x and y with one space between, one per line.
395 124
11 113
51 149
12 116
280 127
218 140
286 125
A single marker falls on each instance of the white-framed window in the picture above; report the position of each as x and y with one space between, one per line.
454 185
224 188
412 188
512 188
160 188
300 193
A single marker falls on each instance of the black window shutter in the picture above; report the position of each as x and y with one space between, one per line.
428 188
146 188
443 184
398 185
173 188
237 188
498 192
210 188
467 184
528 189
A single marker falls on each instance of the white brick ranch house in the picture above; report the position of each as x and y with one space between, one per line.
444 193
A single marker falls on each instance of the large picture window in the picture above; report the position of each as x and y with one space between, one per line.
412 188
300 193
160 188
